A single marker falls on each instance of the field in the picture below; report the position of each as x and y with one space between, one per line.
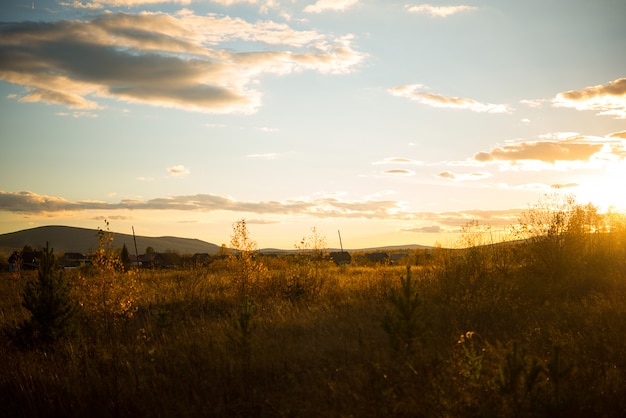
535 327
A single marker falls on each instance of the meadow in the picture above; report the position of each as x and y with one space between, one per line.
534 326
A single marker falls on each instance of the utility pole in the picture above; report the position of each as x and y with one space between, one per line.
340 243
136 253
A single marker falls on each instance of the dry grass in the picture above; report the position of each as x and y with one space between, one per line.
324 352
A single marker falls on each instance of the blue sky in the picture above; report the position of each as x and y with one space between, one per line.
395 122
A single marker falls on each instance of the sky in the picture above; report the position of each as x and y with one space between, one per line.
393 122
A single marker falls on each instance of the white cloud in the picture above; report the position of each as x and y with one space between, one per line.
438 11
332 5
178 170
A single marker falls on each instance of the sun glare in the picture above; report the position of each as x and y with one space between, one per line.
606 191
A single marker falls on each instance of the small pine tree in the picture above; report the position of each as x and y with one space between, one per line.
48 300
125 257
405 325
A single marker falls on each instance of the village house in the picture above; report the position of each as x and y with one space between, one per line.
24 260
341 258
73 260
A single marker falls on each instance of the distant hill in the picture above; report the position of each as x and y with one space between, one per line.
82 240
407 247
389 248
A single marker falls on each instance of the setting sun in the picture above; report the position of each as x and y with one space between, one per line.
606 191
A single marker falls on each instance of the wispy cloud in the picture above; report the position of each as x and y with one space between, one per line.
321 6
267 129
564 185
397 160
78 114
266 156
112 218
419 93
477 175
438 11
433 229
606 99
438 222
533 103
162 60
399 172
99 4
257 221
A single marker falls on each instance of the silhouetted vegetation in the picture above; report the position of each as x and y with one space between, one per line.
532 325
47 298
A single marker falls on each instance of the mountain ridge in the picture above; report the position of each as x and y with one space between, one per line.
84 240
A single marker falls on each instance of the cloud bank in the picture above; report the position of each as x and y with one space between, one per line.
162 60
324 207
29 203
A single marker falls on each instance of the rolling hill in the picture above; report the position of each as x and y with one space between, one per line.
70 239
82 240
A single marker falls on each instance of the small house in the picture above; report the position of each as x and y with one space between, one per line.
341 258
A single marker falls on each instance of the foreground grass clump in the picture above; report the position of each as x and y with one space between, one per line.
490 330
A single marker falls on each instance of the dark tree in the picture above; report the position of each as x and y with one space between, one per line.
125 257
48 300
